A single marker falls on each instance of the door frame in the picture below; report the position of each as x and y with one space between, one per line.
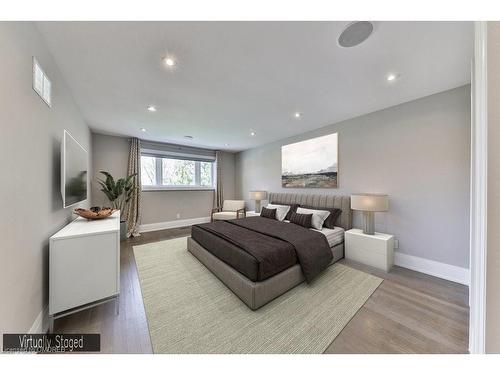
478 194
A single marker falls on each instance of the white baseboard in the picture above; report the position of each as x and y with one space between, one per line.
41 323
173 224
431 267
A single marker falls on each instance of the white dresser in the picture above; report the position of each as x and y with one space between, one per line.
373 250
84 266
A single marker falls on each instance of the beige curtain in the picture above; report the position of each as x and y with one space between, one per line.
134 206
219 194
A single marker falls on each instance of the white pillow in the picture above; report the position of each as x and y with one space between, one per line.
281 210
318 218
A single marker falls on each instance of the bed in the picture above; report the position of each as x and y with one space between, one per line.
259 259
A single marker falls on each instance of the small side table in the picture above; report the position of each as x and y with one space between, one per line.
373 250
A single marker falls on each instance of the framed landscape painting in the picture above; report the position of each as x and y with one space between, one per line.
310 164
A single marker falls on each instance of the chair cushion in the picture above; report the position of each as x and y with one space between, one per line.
224 215
231 205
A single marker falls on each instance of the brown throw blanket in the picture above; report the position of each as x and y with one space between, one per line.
313 251
227 242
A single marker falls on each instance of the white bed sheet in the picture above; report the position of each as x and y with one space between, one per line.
333 236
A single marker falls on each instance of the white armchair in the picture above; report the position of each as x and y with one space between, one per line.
231 209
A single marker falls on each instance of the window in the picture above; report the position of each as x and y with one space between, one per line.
148 170
41 83
158 172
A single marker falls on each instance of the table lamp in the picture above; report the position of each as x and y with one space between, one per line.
257 196
369 204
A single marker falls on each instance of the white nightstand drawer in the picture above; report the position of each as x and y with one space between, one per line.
374 250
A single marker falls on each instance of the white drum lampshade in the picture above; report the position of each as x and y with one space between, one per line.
370 203
257 196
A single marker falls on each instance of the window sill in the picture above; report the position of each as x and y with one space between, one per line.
180 188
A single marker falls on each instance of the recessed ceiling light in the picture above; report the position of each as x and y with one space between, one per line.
188 137
143 129
392 77
252 134
151 108
169 61
297 114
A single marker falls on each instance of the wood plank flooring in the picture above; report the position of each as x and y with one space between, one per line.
409 313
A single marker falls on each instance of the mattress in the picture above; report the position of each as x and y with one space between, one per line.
333 236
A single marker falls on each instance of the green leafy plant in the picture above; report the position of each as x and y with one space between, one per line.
119 192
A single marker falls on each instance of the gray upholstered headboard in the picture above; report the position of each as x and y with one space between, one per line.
342 202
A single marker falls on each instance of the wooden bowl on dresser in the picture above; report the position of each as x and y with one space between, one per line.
94 213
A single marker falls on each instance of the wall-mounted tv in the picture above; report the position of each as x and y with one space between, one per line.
74 169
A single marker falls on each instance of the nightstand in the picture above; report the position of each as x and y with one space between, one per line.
252 213
373 250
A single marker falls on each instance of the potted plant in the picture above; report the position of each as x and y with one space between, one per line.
119 193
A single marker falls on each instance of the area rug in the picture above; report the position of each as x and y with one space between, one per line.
189 310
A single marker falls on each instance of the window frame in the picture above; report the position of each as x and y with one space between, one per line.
158 186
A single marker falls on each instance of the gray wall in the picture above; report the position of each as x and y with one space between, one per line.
110 154
493 239
30 140
417 152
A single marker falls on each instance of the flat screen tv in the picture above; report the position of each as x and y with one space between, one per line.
73 171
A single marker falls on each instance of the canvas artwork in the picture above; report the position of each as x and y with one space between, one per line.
310 164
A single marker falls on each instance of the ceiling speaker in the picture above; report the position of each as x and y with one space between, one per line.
355 33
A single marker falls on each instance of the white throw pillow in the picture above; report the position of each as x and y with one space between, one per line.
318 218
281 210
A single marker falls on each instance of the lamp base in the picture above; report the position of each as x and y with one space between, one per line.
369 221
257 207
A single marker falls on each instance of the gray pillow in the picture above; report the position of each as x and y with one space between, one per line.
304 220
293 208
268 213
318 218
331 219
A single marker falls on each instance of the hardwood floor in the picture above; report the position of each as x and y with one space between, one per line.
409 313
128 331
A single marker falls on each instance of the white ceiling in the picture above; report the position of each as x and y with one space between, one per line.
236 77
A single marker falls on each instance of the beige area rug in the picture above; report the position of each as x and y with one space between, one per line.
190 311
